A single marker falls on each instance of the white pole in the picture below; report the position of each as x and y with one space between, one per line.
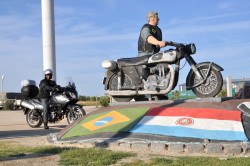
229 87
48 29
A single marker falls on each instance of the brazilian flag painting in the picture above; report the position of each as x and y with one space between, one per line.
121 120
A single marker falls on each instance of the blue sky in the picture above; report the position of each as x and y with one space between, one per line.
88 32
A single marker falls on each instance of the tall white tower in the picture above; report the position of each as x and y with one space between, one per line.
48 30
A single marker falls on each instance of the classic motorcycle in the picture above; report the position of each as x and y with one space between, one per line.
62 102
154 75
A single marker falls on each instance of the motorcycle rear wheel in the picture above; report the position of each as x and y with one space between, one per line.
34 118
126 84
74 114
123 98
211 87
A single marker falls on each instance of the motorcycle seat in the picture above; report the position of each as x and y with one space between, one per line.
133 61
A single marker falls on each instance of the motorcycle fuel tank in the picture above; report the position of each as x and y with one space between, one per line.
166 56
59 99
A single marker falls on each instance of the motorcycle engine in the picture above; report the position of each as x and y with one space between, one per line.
158 79
56 114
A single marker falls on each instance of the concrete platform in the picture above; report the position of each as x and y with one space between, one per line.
159 144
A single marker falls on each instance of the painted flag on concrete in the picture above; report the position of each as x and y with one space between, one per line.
121 120
193 122
111 118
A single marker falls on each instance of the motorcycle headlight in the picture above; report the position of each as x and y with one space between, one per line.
109 65
190 48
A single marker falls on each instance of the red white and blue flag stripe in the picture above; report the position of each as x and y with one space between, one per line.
204 123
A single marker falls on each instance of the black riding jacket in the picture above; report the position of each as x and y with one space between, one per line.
45 88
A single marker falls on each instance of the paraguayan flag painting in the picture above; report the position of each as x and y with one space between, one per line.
204 123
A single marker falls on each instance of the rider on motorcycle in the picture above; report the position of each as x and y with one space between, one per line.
46 85
150 36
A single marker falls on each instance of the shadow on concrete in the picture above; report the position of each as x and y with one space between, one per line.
30 133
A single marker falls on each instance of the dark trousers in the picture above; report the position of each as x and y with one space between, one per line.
45 104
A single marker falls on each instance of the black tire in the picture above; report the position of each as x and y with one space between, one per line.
211 87
75 113
160 97
123 98
140 98
34 118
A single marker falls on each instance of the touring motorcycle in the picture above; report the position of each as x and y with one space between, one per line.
62 103
155 75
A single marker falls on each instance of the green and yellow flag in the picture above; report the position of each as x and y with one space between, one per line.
121 120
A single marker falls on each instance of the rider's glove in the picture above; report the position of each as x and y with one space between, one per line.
57 88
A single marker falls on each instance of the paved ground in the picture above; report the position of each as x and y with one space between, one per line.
13 126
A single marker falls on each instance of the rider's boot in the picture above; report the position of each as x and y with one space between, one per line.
46 126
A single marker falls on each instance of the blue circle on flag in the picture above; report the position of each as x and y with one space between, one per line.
103 121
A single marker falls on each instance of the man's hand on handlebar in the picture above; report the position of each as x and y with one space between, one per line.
57 88
169 43
162 44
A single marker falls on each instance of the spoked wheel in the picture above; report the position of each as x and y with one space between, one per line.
213 84
75 113
126 84
34 118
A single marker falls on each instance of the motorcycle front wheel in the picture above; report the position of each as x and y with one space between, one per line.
75 113
34 118
212 85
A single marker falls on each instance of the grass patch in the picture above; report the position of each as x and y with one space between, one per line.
68 156
9 149
89 103
103 157
192 161
92 157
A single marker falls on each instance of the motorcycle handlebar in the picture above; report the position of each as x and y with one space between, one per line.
57 88
175 44
171 43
